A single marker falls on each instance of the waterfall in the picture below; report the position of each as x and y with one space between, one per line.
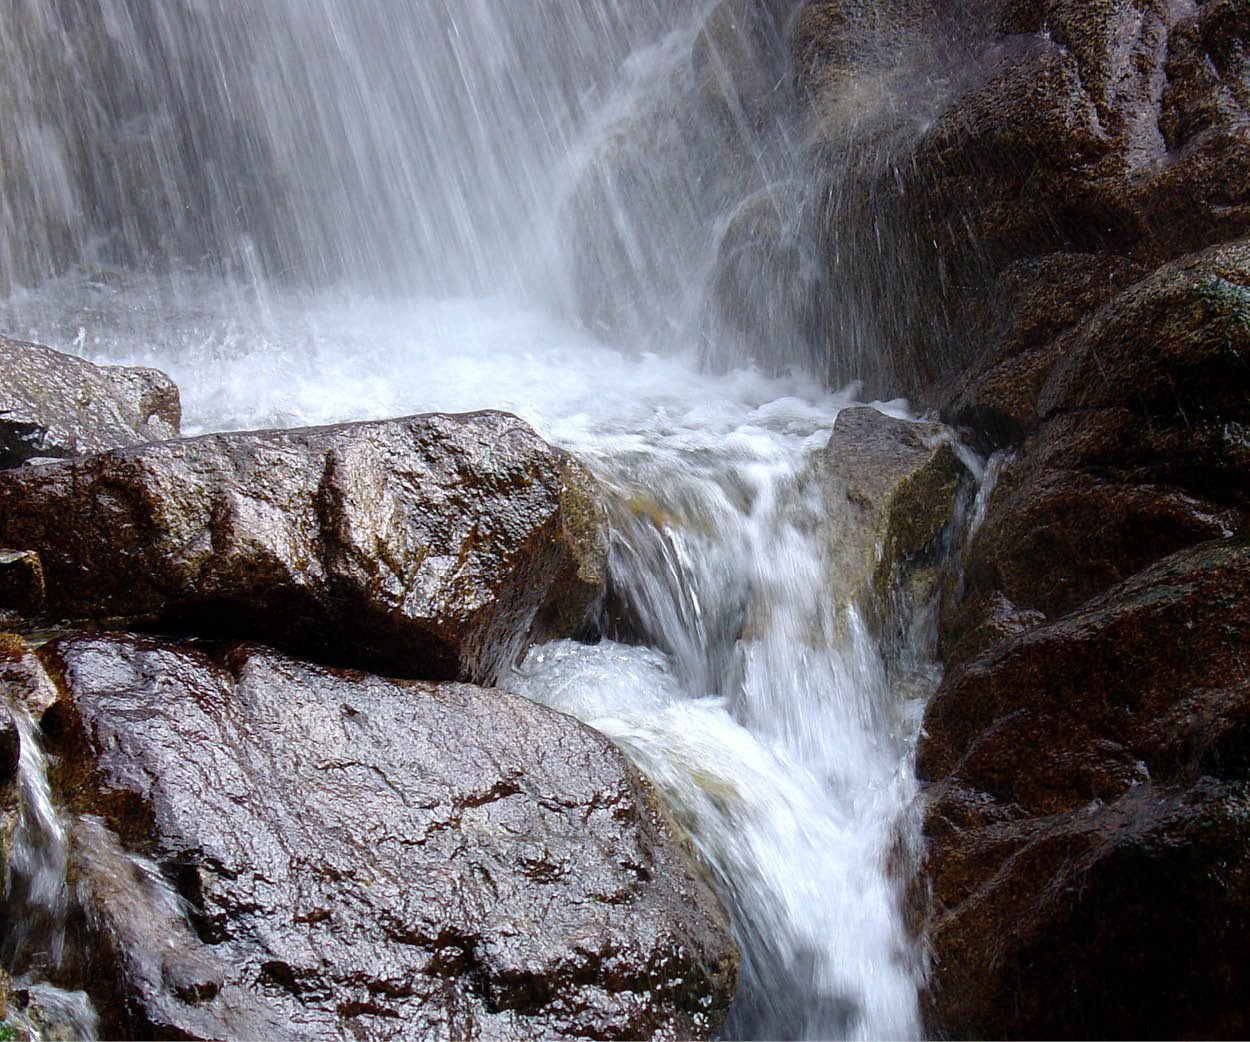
597 216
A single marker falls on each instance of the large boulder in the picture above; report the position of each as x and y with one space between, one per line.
1013 136
1088 818
1137 445
367 858
57 405
430 546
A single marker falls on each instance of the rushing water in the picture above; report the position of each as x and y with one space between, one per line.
453 206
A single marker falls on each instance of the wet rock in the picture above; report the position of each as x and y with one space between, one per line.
762 290
56 405
1087 822
1139 445
736 60
22 677
831 38
1036 302
1173 347
428 546
1116 131
888 489
981 621
1055 537
43 1013
10 752
370 858
1061 203
21 585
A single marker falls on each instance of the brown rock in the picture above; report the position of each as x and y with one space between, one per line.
1139 445
22 676
52 404
1112 129
831 38
888 489
1032 304
1176 346
1054 537
736 60
1116 921
367 857
1089 792
21 584
432 545
982 620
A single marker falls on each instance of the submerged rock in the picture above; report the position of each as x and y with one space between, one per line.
1089 823
369 858
428 546
57 405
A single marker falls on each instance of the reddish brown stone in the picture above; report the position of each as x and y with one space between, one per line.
1088 806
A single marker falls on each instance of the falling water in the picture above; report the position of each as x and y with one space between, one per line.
310 211
36 888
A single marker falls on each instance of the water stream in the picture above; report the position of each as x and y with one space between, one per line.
313 211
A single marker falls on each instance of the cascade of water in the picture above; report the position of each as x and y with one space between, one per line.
767 720
380 180
37 864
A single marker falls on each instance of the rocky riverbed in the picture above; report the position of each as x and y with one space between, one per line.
1030 217
233 843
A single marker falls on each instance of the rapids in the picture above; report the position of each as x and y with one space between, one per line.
478 210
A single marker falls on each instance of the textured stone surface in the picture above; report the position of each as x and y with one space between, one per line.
21 585
1104 137
1088 818
368 858
1138 443
53 404
888 488
429 546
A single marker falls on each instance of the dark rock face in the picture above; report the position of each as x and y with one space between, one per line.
383 859
1059 190
53 404
429 546
1063 141
1138 445
21 585
1089 823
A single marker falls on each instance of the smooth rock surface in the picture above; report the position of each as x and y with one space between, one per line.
428 546
57 405
368 858
1088 821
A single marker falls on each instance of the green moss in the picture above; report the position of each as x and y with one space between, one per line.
1226 308
7 1032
